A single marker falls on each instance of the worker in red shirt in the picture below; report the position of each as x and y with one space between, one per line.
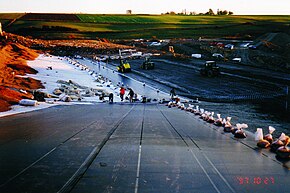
122 92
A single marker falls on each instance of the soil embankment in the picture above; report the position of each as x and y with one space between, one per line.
15 51
13 65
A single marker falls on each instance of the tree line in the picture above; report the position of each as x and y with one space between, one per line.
209 12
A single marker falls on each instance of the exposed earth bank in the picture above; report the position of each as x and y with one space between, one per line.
13 68
15 51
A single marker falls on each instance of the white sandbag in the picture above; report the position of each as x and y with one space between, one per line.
191 106
243 126
259 134
271 129
28 102
282 137
224 121
228 123
219 116
269 136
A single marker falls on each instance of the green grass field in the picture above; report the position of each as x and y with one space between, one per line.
179 19
6 18
92 26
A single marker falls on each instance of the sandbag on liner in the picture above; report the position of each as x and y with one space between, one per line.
279 142
28 102
284 151
269 136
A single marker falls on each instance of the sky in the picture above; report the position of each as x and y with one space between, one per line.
239 7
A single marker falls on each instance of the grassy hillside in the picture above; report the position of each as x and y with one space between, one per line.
6 18
91 26
179 19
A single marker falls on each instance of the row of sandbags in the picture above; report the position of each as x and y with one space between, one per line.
278 146
237 131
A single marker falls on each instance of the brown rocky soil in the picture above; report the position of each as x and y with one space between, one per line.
13 65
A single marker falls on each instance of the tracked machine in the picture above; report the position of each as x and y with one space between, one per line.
210 69
147 64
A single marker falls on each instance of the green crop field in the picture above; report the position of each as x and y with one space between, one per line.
91 26
179 19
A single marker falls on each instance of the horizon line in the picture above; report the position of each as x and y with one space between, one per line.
199 14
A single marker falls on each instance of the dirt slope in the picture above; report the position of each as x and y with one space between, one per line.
13 57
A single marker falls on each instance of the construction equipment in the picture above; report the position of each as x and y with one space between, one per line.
210 69
147 64
1 33
124 66
129 53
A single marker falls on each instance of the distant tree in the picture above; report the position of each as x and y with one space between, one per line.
210 12
129 12
225 12
172 13
231 13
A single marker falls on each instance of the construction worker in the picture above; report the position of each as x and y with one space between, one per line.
131 95
172 93
111 98
122 92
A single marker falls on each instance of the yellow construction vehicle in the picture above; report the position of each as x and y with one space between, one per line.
124 66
